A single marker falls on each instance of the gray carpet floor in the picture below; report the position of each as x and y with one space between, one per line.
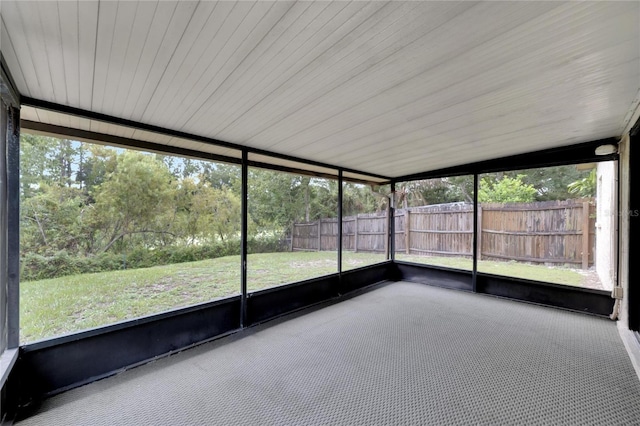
399 354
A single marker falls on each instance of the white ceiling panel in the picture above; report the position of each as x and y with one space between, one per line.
389 88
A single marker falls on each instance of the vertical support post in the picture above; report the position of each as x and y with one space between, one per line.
13 227
244 237
392 223
387 227
340 222
479 237
474 276
319 234
407 231
355 241
585 235
4 114
633 215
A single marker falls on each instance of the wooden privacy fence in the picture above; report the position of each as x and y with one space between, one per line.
543 232
364 232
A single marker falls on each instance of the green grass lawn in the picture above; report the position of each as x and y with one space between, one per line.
62 305
57 306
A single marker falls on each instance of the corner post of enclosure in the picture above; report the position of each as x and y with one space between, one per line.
340 222
13 227
474 245
243 244
392 223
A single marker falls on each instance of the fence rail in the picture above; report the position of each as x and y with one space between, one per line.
543 232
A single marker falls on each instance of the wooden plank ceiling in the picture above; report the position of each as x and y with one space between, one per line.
391 88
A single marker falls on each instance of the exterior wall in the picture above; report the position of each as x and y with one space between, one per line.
606 239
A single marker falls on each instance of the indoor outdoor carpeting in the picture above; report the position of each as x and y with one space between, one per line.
400 354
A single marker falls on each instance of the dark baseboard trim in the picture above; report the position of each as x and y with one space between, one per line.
590 301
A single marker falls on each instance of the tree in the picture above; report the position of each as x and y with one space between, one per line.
506 190
218 213
52 220
133 198
585 187
551 183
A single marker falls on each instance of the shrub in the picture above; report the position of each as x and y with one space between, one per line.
37 267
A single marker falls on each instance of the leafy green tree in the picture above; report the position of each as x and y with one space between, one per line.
54 220
132 199
505 190
585 187
217 212
551 183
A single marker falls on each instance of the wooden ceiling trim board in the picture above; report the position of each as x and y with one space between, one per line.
151 136
240 46
518 102
242 80
162 14
124 24
107 14
203 55
352 56
410 86
37 44
418 19
116 141
292 164
384 137
52 41
8 52
486 129
482 149
68 27
224 46
633 114
529 68
311 80
286 63
24 47
349 18
29 114
182 15
143 19
87 38
321 87
388 73
183 58
227 17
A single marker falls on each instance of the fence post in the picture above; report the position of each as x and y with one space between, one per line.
319 234
585 235
479 236
293 232
355 241
406 231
